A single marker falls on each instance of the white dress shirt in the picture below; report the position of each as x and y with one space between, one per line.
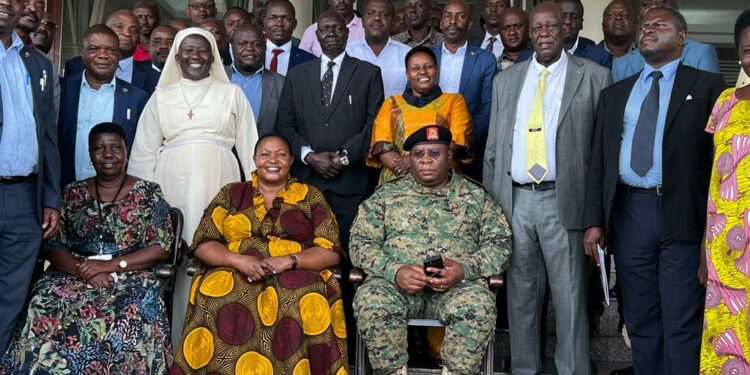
497 48
551 103
390 61
283 60
323 68
573 49
451 66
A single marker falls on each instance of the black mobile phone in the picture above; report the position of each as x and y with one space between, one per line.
434 262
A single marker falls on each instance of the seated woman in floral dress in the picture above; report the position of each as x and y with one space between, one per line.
97 309
265 302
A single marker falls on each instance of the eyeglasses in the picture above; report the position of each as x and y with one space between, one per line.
199 6
49 25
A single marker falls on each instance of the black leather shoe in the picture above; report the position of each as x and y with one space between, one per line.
623 371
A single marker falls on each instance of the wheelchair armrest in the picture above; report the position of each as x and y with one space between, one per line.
164 271
495 282
357 276
193 267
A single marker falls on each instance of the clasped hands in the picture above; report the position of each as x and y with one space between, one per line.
326 163
413 279
96 272
258 269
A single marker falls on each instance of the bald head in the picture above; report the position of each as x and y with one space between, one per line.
645 4
332 33
125 25
514 29
545 27
216 28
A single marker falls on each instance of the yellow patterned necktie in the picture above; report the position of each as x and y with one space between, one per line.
536 150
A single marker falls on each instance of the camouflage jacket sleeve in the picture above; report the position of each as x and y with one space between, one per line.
494 245
367 239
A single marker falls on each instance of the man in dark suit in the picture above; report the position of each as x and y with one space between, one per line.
539 143
261 86
160 43
575 44
124 23
490 40
467 70
29 165
281 52
326 111
647 186
92 97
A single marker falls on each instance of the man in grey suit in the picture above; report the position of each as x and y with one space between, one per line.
540 136
261 86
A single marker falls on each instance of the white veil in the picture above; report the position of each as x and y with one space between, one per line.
172 73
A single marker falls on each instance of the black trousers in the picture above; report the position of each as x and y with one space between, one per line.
663 300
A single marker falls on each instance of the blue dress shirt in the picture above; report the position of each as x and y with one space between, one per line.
94 107
252 86
632 110
125 70
19 150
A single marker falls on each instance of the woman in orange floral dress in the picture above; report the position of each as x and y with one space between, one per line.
265 301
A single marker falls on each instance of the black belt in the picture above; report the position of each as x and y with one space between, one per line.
8 180
657 190
543 186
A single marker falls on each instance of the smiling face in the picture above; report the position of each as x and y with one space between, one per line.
162 38
279 22
10 14
378 19
100 56
195 57
199 10
514 29
332 34
125 25
421 71
42 37
743 49
431 164
546 32
455 22
273 159
108 155
249 49
660 38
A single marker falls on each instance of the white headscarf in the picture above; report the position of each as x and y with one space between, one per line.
172 73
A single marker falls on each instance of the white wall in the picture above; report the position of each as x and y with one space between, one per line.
304 9
592 19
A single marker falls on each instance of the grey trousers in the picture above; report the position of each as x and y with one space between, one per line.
544 250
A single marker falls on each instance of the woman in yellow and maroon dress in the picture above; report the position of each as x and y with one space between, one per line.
422 104
264 301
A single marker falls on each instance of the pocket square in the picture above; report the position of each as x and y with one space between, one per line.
689 97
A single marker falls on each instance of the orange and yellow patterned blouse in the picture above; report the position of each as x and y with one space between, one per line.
397 120
292 322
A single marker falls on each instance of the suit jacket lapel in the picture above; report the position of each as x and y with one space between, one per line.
122 105
470 59
34 72
619 114
515 84
313 74
683 81
573 78
266 94
346 71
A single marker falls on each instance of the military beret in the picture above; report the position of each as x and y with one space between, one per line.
428 134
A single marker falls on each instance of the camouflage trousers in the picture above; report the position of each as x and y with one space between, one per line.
467 310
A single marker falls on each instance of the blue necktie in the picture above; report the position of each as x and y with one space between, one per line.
642 151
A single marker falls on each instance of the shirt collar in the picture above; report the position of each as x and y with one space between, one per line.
257 72
15 43
487 37
355 22
338 59
460 51
555 68
125 64
669 70
85 83
427 37
156 68
573 49
287 47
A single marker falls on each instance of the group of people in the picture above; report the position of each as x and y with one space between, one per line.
386 141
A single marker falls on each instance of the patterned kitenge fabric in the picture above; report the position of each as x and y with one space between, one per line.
72 328
397 120
291 323
726 332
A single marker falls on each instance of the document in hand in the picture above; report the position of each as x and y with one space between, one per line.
603 274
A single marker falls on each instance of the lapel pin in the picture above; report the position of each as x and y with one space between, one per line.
124 89
127 114
472 53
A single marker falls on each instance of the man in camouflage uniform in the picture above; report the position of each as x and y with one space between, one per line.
426 213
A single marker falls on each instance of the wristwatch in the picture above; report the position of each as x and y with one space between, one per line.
123 264
293 259
344 156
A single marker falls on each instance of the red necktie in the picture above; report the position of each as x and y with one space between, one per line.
275 59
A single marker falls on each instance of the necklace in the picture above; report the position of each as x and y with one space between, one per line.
190 113
99 205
